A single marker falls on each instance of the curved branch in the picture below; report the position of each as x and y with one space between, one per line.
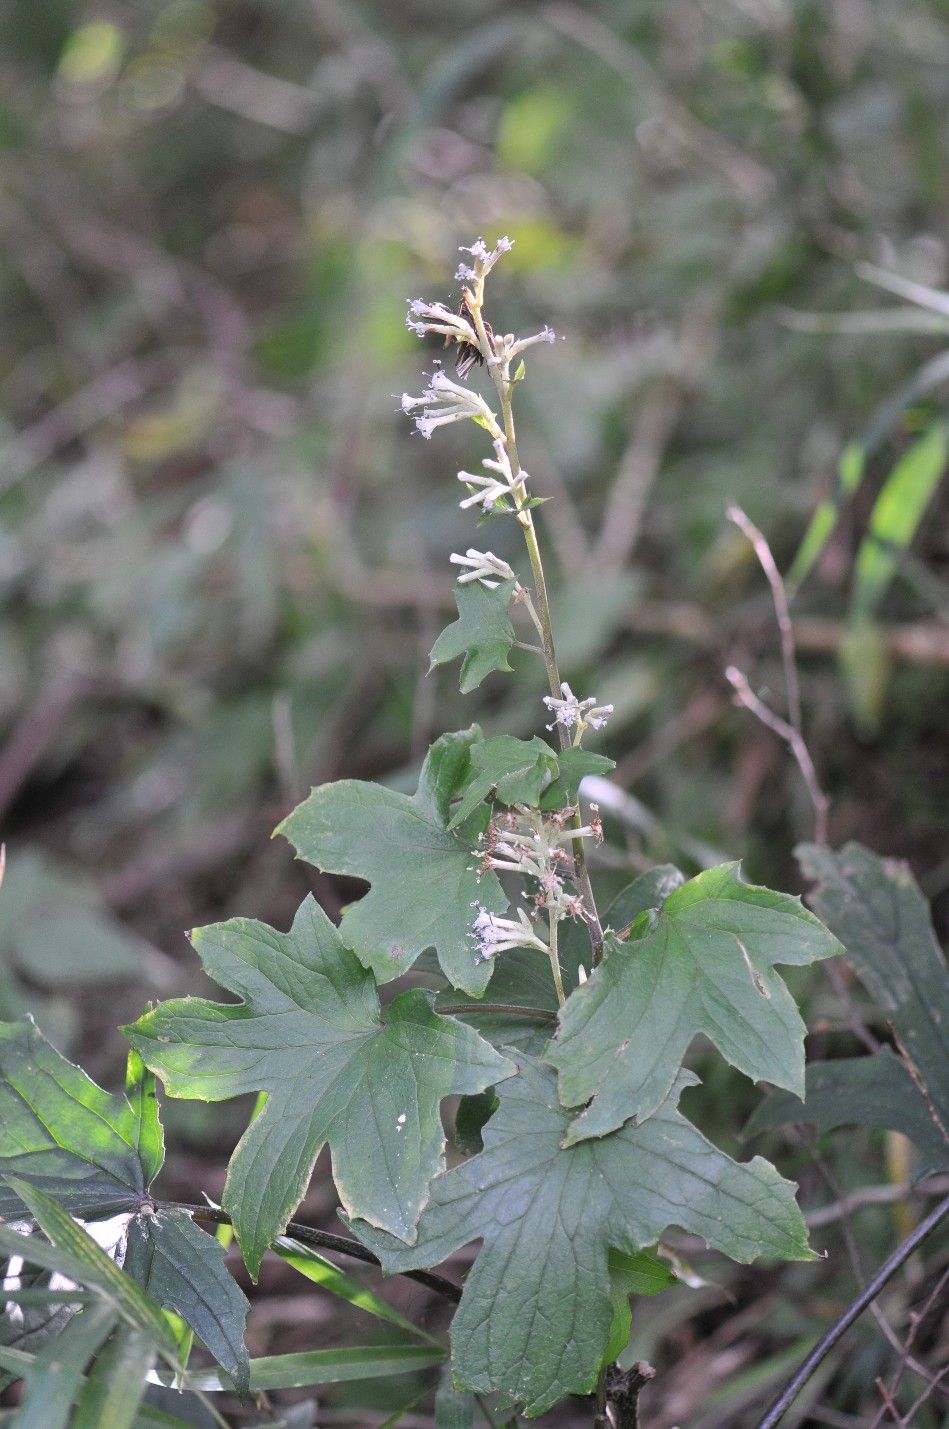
324 1240
853 1312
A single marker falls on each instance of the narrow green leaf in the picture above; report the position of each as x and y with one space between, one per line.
46 1297
849 476
111 1396
424 880
336 1067
182 1268
314 1367
78 1254
54 1379
63 1133
537 1308
482 635
323 1272
703 963
895 517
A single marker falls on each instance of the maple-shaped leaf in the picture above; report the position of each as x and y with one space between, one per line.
335 1066
482 635
703 962
536 1311
424 877
96 1155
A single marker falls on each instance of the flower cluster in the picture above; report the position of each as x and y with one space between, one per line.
482 566
484 259
492 935
444 401
572 713
491 493
533 845
423 318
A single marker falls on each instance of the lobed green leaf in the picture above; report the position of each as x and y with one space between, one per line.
703 963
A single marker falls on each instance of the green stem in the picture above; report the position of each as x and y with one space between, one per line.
555 961
502 1009
500 373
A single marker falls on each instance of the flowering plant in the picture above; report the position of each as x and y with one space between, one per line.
571 1158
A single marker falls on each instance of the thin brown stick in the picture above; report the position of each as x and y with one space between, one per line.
888 1392
747 699
781 609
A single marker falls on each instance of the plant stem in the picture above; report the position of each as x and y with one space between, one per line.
502 1009
555 961
324 1240
501 375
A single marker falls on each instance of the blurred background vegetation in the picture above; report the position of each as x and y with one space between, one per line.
223 554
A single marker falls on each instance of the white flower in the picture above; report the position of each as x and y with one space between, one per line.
492 935
423 318
570 712
482 565
444 401
546 334
484 258
491 489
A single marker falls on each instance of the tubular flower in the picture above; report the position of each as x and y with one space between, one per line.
482 566
443 402
484 259
493 488
572 713
492 935
423 318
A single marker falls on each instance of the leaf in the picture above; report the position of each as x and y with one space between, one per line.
537 1307
876 909
309 1263
873 1091
310 1033
113 1393
67 1136
454 1408
895 517
182 1268
645 894
482 634
512 770
73 1252
573 766
424 884
640 1274
703 963
53 1380
297 1371
96 1155
821 527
